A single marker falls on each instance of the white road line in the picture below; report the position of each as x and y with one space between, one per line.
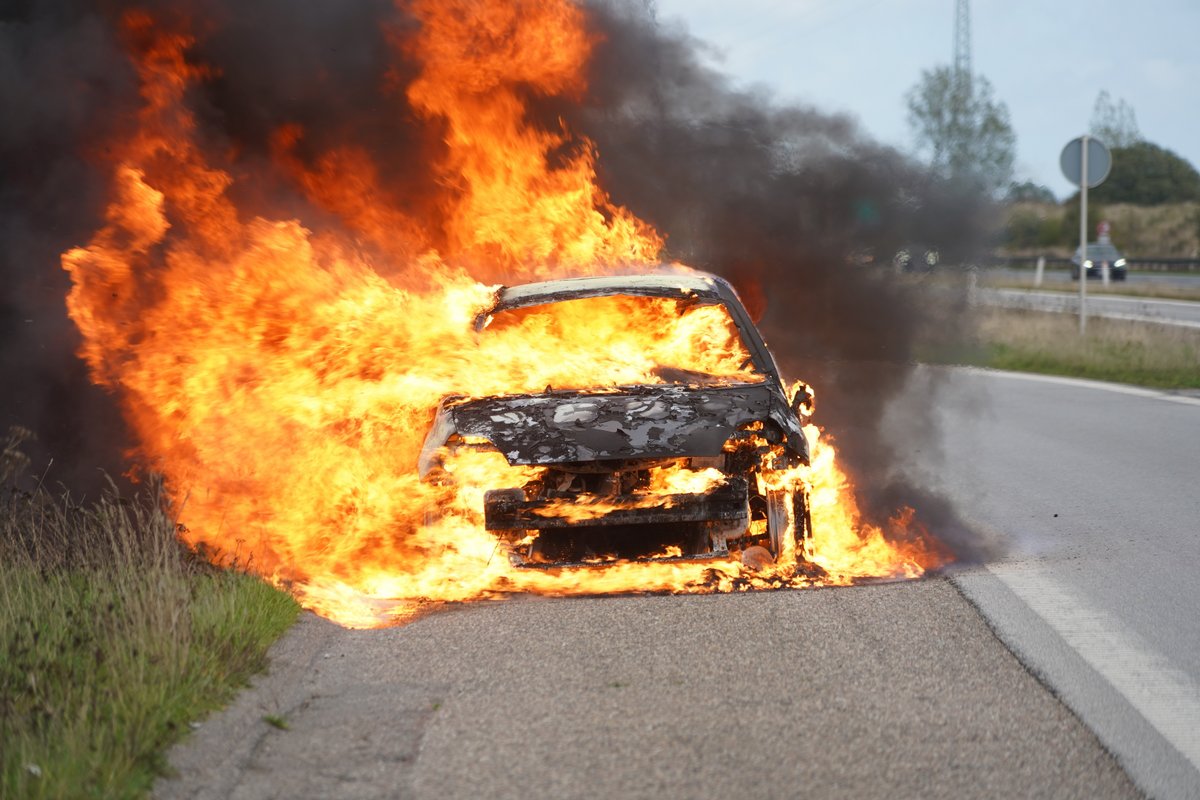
1166 696
1084 383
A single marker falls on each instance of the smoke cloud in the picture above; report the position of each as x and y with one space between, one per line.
803 212
65 88
799 208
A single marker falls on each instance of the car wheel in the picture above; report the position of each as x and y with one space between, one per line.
777 519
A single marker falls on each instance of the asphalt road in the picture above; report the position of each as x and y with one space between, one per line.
1063 670
1141 309
894 690
1095 486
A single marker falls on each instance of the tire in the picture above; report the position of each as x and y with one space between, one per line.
777 519
777 500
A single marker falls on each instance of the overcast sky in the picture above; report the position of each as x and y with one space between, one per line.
1046 59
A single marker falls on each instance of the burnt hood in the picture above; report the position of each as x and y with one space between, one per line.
556 427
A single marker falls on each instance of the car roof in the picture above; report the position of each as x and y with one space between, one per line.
660 284
661 280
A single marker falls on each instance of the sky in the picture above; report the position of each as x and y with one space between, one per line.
1047 61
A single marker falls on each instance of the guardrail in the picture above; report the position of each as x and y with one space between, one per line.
1165 264
1057 262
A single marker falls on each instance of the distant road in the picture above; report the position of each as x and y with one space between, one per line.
1181 313
1062 276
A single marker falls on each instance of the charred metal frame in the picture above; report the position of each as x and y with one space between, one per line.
705 289
509 510
598 445
687 420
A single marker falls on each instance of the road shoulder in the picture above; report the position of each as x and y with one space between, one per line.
1119 722
872 691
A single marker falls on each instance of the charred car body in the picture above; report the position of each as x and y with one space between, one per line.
599 454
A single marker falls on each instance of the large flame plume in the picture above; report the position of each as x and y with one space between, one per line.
282 378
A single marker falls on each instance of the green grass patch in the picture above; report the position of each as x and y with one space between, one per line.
276 721
1159 356
113 637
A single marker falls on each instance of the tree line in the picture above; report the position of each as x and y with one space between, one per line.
963 131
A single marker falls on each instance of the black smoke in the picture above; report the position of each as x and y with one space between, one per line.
800 209
66 89
804 213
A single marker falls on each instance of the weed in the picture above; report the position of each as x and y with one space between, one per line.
113 638
276 721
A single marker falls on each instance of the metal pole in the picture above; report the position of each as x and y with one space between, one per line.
1083 187
1041 270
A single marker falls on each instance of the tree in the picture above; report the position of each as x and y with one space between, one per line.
1115 124
1146 174
960 126
1069 225
1029 192
1030 228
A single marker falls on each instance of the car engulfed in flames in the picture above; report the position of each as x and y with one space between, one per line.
706 462
278 356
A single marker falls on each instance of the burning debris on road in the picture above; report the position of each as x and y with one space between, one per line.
285 289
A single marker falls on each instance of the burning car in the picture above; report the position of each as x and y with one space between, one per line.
687 463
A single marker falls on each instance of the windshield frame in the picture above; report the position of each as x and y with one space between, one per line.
702 288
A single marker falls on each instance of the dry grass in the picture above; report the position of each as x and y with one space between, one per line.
112 638
1171 230
1167 230
1145 354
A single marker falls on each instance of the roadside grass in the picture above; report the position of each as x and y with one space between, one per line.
1161 291
113 639
1145 354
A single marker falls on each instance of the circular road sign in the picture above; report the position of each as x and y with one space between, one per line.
1099 161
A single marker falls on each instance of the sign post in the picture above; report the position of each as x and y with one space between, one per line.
1086 162
1102 237
1083 259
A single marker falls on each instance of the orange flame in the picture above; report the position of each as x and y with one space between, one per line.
283 384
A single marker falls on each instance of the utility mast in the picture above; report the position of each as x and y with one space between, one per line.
959 158
962 41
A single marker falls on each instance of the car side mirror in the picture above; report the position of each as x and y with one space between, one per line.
804 400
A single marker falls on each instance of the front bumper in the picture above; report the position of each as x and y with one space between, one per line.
509 510
1114 273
